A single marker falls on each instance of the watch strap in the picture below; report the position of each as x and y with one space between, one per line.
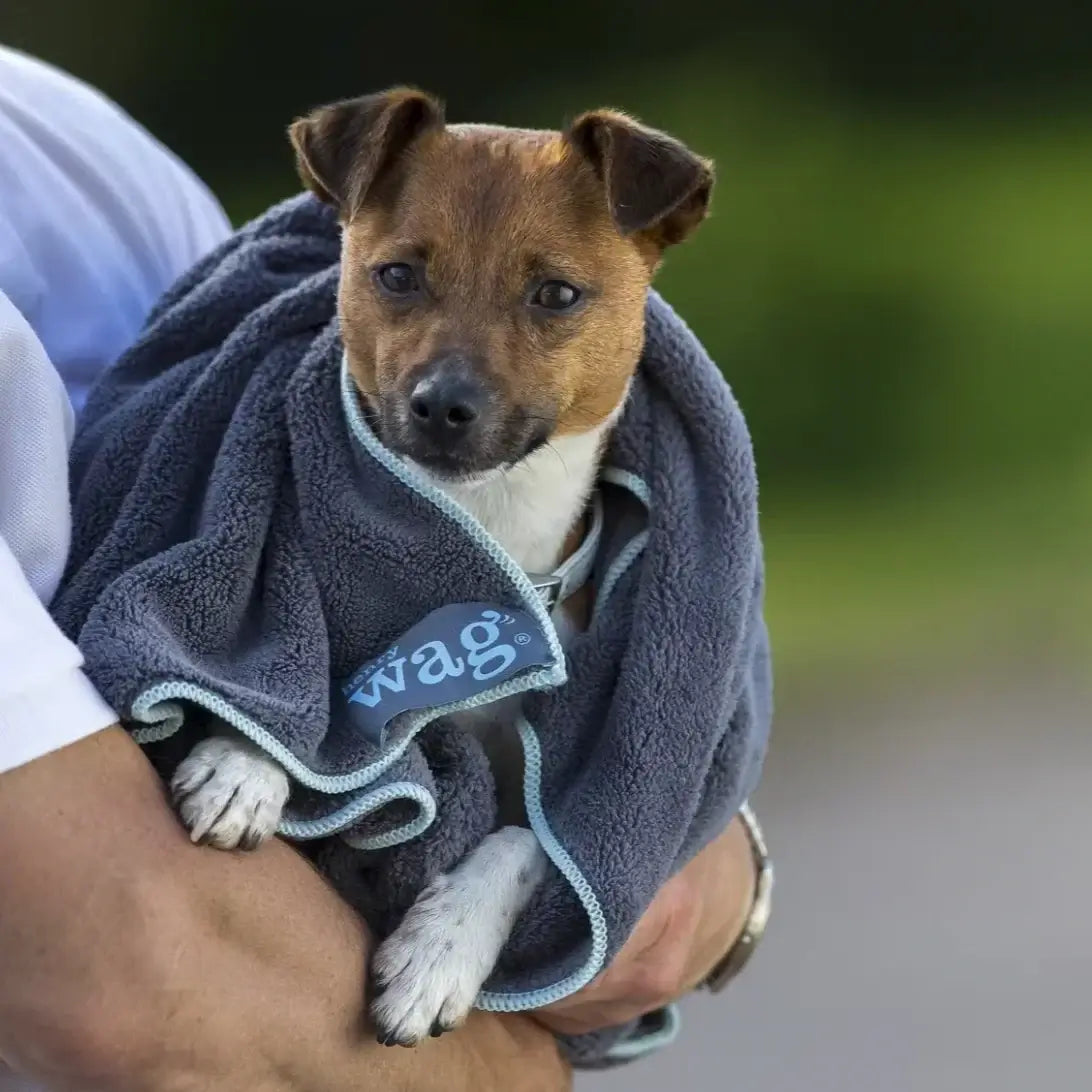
737 957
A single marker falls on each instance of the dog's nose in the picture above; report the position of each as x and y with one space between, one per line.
446 404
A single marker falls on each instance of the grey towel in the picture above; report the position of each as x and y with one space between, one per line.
243 545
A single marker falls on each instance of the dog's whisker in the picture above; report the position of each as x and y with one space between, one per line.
558 455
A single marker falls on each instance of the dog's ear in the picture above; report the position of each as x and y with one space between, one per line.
342 150
655 185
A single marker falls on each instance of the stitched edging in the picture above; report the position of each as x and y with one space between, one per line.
364 805
636 545
547 995
639 1044
158 708
164 717
628 480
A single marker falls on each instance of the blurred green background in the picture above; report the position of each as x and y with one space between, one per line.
895 279
896 283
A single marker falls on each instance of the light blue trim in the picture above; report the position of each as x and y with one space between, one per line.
161 722
640 1045
633 550
628 480
532 791
636 545
364 805
155 708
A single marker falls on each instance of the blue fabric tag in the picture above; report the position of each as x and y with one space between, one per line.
452 654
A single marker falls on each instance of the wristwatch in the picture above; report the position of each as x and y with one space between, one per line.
740 952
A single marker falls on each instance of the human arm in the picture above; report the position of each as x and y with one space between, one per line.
97 217
132 961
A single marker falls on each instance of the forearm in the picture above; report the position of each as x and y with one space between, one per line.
131 961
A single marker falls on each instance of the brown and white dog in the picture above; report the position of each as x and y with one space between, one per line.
492 300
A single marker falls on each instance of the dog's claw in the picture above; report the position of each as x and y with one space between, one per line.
393 1039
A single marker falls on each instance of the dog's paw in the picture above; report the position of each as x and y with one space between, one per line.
427 974
229 794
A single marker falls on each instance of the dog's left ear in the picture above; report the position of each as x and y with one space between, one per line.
655 185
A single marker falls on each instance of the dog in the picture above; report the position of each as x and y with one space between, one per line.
491 298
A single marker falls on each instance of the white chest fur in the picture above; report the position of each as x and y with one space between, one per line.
530 508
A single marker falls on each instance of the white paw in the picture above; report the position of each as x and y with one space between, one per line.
229 793
429 972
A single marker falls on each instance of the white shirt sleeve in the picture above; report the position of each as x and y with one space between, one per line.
97 217
46 701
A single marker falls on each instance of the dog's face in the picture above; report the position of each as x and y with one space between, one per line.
493 280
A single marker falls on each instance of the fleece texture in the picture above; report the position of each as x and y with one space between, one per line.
243 543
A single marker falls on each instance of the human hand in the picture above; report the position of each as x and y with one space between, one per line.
693 921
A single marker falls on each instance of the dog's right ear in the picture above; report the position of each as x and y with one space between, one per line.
342 150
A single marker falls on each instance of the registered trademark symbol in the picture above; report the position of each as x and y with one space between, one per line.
522 638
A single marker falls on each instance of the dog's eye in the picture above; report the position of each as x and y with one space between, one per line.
556 296
397 278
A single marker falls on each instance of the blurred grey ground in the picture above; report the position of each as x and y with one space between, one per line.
932 928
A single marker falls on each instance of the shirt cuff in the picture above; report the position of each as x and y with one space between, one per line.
55 713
